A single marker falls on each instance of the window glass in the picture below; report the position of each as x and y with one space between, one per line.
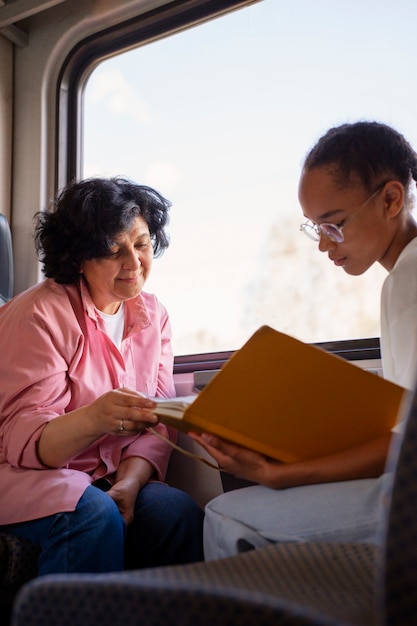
219 119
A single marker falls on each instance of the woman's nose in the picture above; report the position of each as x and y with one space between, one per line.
326 244
132 259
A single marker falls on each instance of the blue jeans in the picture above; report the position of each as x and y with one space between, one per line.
167 528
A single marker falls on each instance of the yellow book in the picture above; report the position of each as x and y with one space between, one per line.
288 400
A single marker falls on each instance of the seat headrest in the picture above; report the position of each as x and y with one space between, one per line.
6 261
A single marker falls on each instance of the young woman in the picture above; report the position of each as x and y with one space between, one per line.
80 473
356 193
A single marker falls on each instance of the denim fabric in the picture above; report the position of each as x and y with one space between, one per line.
167 529
89 539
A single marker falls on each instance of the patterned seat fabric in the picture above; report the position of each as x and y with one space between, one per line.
18 561
280 584
399 566
18 564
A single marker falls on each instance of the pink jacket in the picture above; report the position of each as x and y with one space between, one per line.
55 356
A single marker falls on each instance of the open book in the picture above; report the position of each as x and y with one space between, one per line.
288 400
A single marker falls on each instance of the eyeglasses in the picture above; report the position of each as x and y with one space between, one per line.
333 232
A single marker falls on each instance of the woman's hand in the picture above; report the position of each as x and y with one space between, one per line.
133 474
122 412
125 498
234 459
364 461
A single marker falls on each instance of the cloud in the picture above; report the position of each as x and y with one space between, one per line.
163 174
113 90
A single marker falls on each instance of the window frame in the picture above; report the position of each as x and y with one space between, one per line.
88 53
77 67
364 349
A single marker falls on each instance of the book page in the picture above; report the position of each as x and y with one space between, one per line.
173 407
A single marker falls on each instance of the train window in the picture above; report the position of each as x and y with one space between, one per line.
219 118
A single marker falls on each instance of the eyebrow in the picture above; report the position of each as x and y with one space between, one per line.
143 236
117 242
326 216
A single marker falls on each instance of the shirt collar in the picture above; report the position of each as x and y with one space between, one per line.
412 245
136 312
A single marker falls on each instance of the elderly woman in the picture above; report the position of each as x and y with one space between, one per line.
81 474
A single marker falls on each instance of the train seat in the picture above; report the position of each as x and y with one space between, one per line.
6 261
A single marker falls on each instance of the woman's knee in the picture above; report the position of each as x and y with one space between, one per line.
88 539
169 504
97 508
167 529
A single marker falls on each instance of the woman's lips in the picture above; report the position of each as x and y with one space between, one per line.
130 279
339 262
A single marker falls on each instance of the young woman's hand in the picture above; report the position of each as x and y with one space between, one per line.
364 461
234 459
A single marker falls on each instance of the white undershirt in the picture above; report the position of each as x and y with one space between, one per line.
115 324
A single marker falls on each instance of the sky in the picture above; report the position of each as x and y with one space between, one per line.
219 119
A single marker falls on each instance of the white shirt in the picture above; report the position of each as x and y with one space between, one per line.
399 319
115 324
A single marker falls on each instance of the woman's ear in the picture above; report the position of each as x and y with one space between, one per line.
394 194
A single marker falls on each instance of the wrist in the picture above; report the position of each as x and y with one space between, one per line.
129 483
284 475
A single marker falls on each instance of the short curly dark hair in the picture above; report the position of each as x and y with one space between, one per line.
85 218
371 151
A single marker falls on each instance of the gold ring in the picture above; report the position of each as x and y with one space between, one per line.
121 427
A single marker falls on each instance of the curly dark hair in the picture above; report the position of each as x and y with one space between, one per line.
85 218
371 151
